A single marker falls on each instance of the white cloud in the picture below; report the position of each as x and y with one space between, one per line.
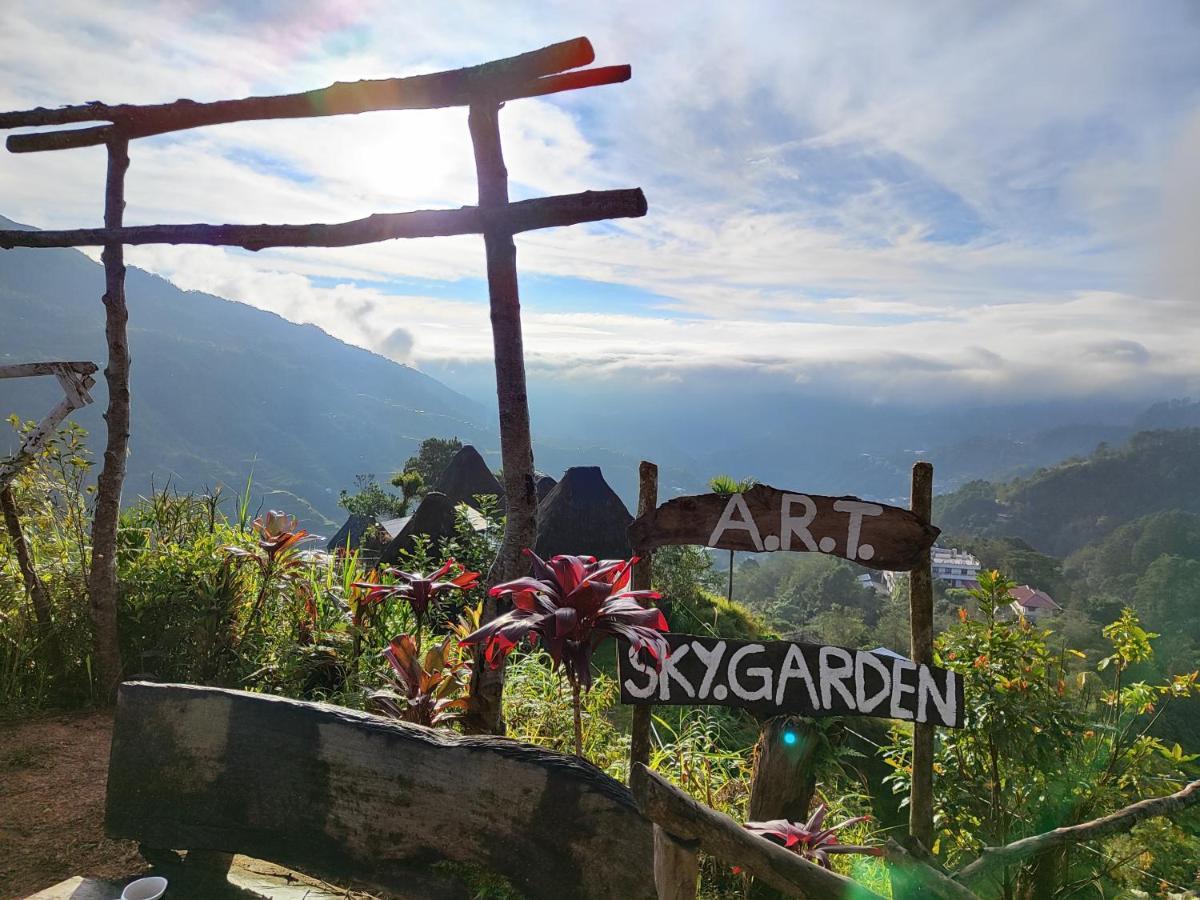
889 192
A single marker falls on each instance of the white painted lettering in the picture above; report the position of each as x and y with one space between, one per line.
795 666
927 689
857 509
790 525
649 670
711 659
669 671
899 688
736 504
862 659
831 677
763 692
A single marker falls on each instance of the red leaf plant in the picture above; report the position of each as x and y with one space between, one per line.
810 840
421 591
571 604
425 689
279 538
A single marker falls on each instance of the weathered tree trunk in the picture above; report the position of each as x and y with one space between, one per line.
784 779
516 447
33 585
102 580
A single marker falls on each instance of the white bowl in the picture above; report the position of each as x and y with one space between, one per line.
145 889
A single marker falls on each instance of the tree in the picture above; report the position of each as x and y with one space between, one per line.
432 457
373 501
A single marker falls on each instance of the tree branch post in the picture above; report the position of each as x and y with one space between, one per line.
102 579
639 737
516 447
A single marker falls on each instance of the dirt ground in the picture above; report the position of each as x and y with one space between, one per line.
53 768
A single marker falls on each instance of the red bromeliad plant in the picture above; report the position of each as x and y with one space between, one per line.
421 591
571 604
811 840
425 689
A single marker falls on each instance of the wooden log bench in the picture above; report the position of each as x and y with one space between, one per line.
353 798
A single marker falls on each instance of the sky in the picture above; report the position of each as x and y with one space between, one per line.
950 200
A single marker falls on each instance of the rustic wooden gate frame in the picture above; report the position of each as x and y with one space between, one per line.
483 89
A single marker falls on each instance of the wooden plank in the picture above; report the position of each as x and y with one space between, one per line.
643 570
458 87
771 678
89 137
524 215
765 518
717 834
343 795
25 370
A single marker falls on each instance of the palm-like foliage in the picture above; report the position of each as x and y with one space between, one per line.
812 840
425 689
279 538
571 604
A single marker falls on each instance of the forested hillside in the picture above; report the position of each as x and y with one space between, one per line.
1060 509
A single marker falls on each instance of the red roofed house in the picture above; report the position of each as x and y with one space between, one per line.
1032 603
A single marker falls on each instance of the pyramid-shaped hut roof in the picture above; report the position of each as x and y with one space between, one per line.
582 515
543 484
468 475
434 517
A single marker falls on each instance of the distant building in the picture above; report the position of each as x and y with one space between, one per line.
1032 604
955 567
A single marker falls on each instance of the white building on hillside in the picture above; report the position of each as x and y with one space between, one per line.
955 567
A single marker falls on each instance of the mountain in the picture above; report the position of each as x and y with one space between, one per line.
1078 502
221 389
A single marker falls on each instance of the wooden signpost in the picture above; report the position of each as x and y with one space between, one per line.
771 678
778 680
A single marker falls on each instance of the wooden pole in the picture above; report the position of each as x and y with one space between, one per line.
639 739
524 215
102 579
676 866
920 611
516 447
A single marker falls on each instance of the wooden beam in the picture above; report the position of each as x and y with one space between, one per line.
919 879
531 74
676 867
1115 823
639 736
24 370
89 137
717 834
524 215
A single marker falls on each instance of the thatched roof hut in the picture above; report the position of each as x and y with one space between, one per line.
468 475
543 484
582 515
434 517
353 533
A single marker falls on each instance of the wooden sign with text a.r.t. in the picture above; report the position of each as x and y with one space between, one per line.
772 678
767 519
